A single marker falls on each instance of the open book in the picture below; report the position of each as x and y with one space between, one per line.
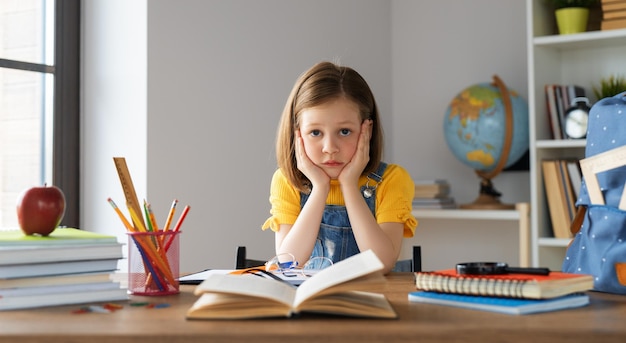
339 290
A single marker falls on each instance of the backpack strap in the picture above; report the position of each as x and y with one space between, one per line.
577 223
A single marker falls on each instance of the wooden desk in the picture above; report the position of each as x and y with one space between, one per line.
603 321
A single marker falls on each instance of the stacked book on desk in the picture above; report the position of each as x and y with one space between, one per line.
432 194
505 293
70 266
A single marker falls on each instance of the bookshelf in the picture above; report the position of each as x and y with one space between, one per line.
521 214
581 59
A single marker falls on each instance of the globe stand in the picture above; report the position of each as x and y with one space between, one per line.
488 199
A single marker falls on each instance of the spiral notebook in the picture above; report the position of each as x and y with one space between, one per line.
524 286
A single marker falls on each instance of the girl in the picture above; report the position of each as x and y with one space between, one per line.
332 196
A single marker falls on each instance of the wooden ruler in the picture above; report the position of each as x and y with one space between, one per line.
127 185
593 165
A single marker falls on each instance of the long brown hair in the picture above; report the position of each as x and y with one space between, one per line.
323 82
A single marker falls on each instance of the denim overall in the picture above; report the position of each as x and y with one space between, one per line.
335 239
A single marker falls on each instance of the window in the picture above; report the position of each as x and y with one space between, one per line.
39 72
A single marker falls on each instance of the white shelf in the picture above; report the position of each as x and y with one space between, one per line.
521 214
585 40
467 214
581 59
561 143
553 242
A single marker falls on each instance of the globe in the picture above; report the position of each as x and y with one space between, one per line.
486 128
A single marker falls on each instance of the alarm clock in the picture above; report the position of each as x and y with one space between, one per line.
576 118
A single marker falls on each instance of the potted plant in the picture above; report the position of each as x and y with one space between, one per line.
571 15
610 86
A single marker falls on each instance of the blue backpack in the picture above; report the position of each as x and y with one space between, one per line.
599 244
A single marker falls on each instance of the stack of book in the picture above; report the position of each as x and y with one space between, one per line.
70 266
562 179
432 194
504 293
559 100
613 14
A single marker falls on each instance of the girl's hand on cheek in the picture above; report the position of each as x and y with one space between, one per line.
315 174
353 170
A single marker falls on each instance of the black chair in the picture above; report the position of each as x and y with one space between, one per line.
412 265
242 262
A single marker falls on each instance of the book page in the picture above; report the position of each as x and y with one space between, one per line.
354 303
249 285
236 306
352 268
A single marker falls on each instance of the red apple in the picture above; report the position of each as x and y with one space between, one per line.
40 210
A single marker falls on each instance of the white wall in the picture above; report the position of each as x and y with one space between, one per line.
113 107
438 49
205 82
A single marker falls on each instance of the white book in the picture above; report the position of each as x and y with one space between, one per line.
56 268
43 300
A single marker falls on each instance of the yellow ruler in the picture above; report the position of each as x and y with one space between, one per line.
127 185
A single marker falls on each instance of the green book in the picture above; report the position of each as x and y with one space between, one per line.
60 236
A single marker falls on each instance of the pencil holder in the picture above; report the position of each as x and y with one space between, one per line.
153 262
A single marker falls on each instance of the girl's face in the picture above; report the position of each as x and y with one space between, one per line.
330 133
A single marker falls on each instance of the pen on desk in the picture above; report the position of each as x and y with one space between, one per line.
179 223
125 221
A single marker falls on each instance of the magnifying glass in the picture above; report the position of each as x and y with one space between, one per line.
494 268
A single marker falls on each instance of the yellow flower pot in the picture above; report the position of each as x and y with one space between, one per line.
572 20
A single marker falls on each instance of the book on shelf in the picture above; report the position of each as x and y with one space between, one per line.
501 305
560 108
613 5
437 188
568 199
337 290
616 14
560 196
553 115
524 286
576 176
558 101
434 203
613 24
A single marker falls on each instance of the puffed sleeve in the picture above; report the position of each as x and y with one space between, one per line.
285 202
394 199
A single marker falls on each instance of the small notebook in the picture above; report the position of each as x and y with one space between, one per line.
501 305
526 286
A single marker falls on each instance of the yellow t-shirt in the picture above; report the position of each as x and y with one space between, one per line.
394 197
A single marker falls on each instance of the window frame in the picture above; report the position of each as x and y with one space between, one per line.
66 106
66 146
